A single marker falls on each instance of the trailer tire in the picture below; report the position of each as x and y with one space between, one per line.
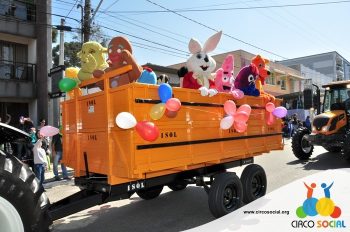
23 198
225 194
177 185
302 149
254 183
150 193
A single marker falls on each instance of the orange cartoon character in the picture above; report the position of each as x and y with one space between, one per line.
119 55
263 74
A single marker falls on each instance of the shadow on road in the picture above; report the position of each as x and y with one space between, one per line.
324 161
171 211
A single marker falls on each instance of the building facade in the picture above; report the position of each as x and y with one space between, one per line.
331 64
25 59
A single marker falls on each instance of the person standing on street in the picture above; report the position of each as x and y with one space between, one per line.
40 163
57 154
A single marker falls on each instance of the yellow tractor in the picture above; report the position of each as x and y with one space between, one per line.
330 129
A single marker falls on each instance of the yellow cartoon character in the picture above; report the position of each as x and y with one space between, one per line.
92 59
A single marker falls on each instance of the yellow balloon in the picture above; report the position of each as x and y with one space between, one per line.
157 111
71 72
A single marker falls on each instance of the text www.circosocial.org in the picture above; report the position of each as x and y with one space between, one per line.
284 212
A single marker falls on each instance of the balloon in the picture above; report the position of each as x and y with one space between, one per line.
280 112
270 107
49 131
230 107
157 111
125 120
226 122
66 84
147 130
270 119
240 127
245 108
170 114
165 92
241 117
173 104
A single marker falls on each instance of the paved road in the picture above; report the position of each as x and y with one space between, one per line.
176 211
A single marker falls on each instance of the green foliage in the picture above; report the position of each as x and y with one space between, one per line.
70 54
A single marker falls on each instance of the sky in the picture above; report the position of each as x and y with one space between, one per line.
160 30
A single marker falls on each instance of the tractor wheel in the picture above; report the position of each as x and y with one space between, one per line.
150 193
254 183
225 194
332 149
302 148
177 185
23 203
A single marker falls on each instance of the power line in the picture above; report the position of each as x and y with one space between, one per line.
234 8
213 29
76 1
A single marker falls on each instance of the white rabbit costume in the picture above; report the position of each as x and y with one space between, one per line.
201 65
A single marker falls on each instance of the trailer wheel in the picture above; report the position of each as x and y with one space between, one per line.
254 183
177 185
150 193
225 194
302 148
23 203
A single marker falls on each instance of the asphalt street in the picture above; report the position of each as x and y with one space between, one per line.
182 210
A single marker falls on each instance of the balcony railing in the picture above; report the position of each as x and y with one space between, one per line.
17 71
21 10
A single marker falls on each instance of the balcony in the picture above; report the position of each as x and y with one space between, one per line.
17 79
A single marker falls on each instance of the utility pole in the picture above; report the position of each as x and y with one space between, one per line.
87 25
61 58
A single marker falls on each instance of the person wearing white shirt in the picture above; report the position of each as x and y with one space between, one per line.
40 163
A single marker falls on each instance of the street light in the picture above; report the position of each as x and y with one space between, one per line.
82 23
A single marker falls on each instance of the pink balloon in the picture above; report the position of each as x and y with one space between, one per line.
230 107
241 117
245 108
270 107
237 94
280 112
173 104
270 119
49 131
226 122
170 114
147 130
240 127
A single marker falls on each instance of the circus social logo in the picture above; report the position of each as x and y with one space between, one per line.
323 206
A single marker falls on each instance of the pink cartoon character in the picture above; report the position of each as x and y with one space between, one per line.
201 65
224 80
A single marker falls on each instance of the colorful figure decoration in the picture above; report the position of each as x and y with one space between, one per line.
162 78
120 55
201 65
245 80
92 59
224 80
148 76
263 74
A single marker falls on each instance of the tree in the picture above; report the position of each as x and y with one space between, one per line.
70 54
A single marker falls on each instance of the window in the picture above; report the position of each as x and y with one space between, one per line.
271 80
283 84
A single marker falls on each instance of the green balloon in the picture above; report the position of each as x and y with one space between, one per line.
67 84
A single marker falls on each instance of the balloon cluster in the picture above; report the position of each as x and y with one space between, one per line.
278 112
168 105
147 130
70 81
236 117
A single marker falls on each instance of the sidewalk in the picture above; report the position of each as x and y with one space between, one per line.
50 177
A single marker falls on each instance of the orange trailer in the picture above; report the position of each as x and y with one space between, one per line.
191 147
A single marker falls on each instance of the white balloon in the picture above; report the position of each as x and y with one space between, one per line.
226 122
125 120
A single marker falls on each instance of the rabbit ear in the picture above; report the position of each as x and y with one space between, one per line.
212 42
194 46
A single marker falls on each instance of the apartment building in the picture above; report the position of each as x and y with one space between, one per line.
25 58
